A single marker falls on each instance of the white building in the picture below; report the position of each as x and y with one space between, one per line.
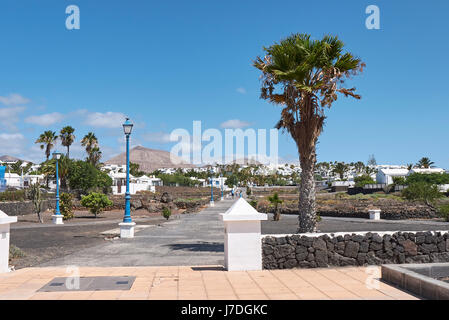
386 176
426 170
143 183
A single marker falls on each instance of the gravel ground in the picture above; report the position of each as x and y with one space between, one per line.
289 224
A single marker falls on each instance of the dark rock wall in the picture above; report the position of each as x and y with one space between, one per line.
299 251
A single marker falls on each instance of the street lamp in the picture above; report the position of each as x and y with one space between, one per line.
221 183
57 217
127 226
211 190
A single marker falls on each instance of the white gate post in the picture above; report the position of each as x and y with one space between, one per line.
374 214
243 245
5 222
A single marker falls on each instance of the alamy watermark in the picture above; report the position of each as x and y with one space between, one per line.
373 20
73 20
236 146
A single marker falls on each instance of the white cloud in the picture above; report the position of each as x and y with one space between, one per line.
241 90
234 124
14 99
105 120
158 137
45 119
9 116
11 143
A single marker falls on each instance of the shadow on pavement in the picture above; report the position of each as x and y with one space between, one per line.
202 246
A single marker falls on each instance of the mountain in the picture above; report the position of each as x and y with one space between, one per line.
150 159
7 158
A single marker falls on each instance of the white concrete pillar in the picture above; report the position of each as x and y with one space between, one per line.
5 222
374 214
243 245
127 229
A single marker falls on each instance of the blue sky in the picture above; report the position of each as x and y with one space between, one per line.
166 64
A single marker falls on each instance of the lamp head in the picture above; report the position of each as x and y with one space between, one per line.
57 155
127 127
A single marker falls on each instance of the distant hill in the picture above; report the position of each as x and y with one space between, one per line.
149 159
7 158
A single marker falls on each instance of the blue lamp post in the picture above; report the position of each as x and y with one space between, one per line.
127 226
127 128
211 189
57 217
221 183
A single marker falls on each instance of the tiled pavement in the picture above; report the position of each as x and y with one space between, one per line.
209 282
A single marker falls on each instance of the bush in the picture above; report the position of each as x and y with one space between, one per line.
253 203
430 178
13 195
362 180
85 177
399 181
444 211
422 191
166 213
96 202
66 206
15 252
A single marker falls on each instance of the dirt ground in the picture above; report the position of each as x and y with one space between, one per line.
42 242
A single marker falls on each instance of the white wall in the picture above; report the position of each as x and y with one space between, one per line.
133 188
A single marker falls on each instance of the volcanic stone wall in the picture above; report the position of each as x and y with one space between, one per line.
357 249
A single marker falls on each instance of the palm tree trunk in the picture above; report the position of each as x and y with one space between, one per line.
307 194
68 152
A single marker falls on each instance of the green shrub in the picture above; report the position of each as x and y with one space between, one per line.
422 191
166 213
430 178
444 211
96 202
13 195
362 180
15 252
253 203
66 206
399 181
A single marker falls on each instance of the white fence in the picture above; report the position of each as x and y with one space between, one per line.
133 188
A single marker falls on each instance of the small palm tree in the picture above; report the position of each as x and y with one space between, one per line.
274 199
410 166
424 163
47 141
340 168
67 137
305 76
90 142
94 156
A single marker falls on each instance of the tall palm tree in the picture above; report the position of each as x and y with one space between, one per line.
90 142
67 137
425 163
47 141
304 77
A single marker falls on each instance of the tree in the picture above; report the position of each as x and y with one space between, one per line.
47 141
83 176
96 202
95 156
232 181
309 74
90 142
410 166
371 161
424 163
340 168
363 180
274 199
36 199
67 138
422 191
134 170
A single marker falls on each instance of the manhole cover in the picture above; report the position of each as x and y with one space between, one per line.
88 284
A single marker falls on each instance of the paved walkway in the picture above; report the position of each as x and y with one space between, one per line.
201 283
192 239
